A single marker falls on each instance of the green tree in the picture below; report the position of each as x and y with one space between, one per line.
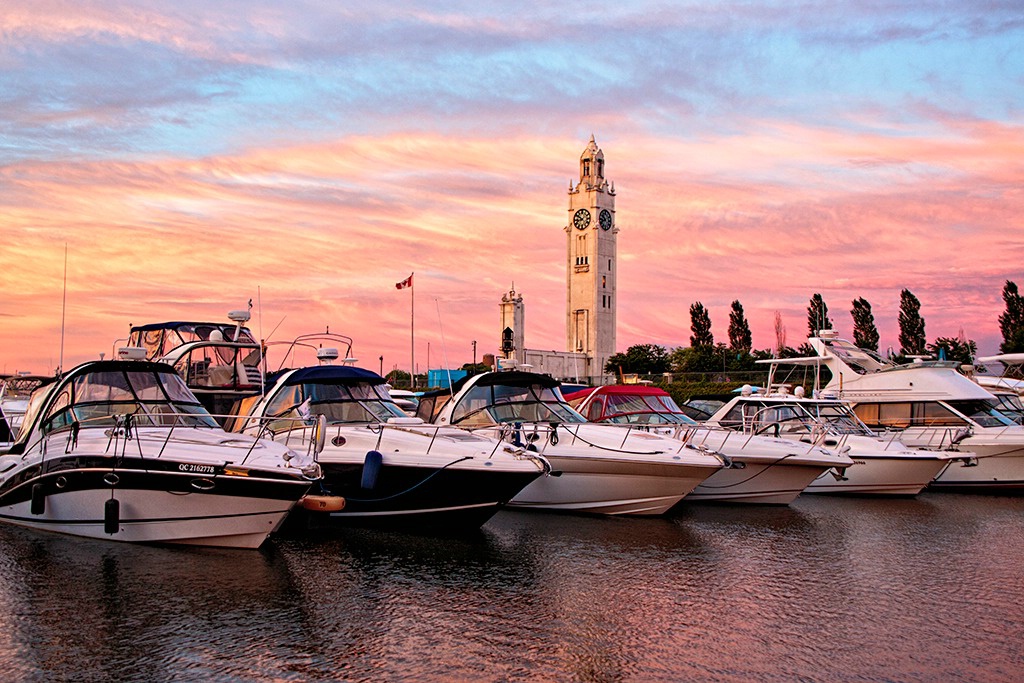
865 334
642 359
912 339
740 339
700 326
1011 322
954 348
817 316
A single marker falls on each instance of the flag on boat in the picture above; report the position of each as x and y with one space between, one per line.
407 282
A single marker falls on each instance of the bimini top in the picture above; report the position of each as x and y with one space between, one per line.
159 339
515 378
330 374
617 390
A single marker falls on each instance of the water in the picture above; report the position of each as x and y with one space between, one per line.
828 589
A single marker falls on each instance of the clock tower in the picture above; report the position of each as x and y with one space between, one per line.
591 268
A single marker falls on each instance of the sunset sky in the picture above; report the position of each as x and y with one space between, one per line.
309 155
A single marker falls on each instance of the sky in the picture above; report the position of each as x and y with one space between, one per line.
187 157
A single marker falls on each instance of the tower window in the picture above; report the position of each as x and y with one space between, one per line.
600 168
609 265
604 281
586 167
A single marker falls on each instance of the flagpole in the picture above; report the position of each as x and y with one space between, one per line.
412 332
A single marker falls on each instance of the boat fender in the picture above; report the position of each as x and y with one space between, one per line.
38 505
112 516
517 433
371 469
553 438
322 503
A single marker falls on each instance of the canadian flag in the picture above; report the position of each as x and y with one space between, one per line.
407 282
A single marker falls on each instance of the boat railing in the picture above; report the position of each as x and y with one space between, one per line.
933 437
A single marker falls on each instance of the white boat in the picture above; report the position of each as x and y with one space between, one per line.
389 468
121 450
15 391
595 468
930 405
221 363
881 467
763 470
1012 373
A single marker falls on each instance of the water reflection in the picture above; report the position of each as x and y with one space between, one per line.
827 589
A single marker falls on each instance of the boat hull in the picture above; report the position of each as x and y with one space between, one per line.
996 468
209 507
433 499
611 486
759 483
881 476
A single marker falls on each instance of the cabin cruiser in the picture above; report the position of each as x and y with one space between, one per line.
15 391
220 362
764 470
389 468
882 467
1011 378
122 450
929 404
595 468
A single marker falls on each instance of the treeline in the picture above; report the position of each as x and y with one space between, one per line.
705 355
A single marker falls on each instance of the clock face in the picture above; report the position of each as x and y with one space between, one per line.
581 219
605 219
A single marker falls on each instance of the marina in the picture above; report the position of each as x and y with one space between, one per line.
827 589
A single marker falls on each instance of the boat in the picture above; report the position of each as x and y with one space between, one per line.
391 469
881 466
15 391
763 470
122 450
928 404
1012 377
220 363
595 468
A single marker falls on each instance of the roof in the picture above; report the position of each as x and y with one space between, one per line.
332 374
618 390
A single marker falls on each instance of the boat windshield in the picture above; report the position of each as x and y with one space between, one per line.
984 412
359 403
839 418
756 417
221 366
104 397
493 404
644 409
1010 405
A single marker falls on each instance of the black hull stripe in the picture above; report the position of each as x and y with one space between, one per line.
41 521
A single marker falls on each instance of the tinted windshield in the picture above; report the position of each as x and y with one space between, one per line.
644 409
1010 405
104 397
339 403
986 413
510 403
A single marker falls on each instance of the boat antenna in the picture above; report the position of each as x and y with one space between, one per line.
263 344
63 310
444 349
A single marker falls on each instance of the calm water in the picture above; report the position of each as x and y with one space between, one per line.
826 590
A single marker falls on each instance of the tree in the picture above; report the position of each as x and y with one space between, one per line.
817 316
780 335
865 334
954 348
912 339
1011 322
700 325
739 330
641 359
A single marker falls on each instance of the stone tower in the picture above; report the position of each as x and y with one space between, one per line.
591 267
512 326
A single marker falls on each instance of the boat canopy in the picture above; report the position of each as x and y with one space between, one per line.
514 396
159 339
332 374
342 394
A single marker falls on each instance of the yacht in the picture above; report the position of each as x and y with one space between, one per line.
391 469
763 470
1012 373
220 362
595 468
929 404
122 450
15 391
881 466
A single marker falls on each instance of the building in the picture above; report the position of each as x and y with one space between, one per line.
591 270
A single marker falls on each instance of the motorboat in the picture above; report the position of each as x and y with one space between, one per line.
1012 377
15 391
595 468
881 466
391 469
220 363
763 470
122 450
928 404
